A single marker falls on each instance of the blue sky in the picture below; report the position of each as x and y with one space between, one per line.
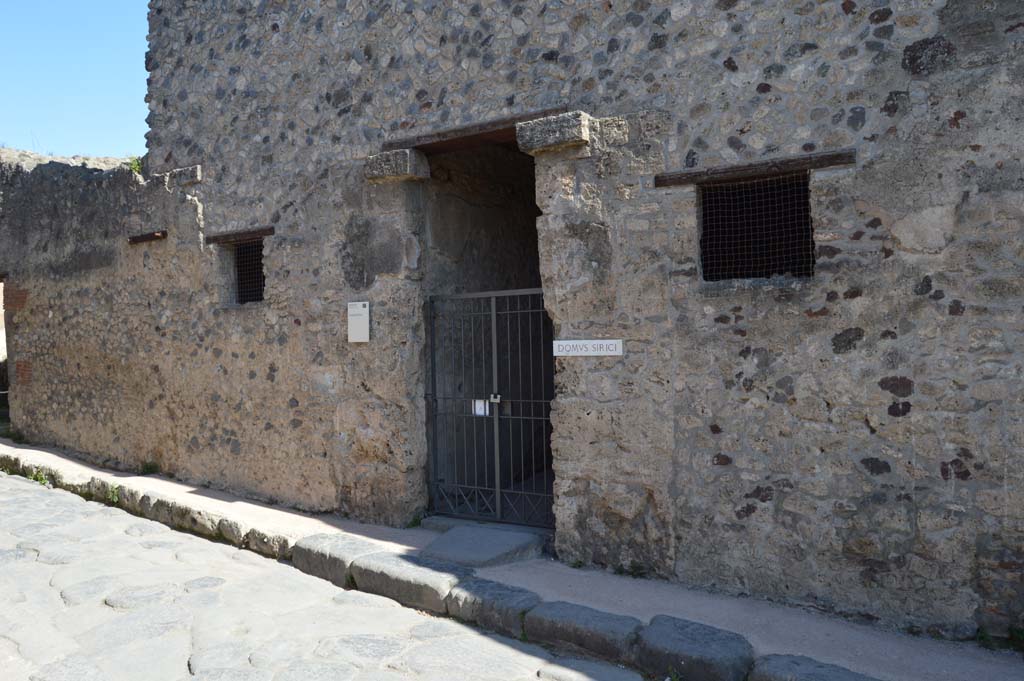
74 76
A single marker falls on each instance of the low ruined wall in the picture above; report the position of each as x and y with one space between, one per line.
130 353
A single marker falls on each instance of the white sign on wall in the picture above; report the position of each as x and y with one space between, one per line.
588 348
358 322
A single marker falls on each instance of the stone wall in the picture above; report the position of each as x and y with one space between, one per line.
130 353
852 441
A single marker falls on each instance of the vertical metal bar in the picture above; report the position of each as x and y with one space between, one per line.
460 463
450 450
510 348
434 420
484 388
497 431
533 403
544 411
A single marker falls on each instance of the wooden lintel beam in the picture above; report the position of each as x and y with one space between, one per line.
148 236
485 131
238 237
778 166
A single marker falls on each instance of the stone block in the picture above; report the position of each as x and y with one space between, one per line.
185 177
552 133
415 582
401 164
491 605
697 652
799 668
476 546
329 556
926 231
270 545
232 531
571 669
601 633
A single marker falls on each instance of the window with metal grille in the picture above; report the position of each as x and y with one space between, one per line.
758 228
249 277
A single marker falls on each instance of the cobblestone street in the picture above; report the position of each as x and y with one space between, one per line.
91 593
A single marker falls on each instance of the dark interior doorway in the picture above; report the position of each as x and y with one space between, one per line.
491 376
481 219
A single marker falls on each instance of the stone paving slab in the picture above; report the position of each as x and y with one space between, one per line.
694 651
798 668
600 633
475 546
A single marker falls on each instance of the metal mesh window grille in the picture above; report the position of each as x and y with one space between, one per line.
249 277
756 228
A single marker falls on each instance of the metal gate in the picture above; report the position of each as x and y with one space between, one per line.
489 401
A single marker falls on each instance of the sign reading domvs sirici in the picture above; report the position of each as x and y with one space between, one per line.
588 348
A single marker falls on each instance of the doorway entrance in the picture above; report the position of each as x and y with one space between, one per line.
489 354
491 386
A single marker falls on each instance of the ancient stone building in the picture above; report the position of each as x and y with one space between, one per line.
802 219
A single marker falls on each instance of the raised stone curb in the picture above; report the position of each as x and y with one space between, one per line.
329 556
799 668
601 633
411 581
697 652
158 508
491 605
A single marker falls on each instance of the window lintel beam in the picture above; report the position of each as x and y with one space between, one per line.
777 166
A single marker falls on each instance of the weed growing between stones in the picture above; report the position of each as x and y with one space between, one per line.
635 570
1013 641
1017 638
135 165
114 495
150 468
39 476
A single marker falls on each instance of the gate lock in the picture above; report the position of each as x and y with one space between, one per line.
495 399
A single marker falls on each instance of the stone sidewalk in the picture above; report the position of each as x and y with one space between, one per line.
92 593
645 623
